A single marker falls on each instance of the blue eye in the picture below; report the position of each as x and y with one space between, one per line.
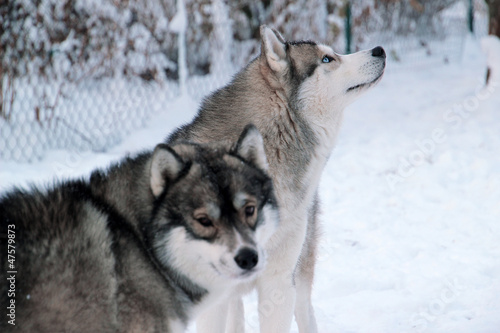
326 59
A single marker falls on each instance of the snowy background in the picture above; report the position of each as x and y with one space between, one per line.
84 74
410 197
411 201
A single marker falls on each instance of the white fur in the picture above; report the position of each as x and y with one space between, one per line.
240 199
214 318
176 326
323 96
327 101
194 259
275 285
269 227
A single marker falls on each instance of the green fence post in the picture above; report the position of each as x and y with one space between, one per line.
348 27
471 16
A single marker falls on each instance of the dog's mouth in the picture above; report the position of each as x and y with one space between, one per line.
248 274
366 84
240 275
243 276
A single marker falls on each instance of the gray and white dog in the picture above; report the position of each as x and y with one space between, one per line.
142 247
295 94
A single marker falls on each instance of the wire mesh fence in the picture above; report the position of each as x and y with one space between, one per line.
82 74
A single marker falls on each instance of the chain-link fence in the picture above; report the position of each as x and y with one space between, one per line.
82 74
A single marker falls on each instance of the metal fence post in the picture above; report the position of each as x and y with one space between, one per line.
348 27
471 16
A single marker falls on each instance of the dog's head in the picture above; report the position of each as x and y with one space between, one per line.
315 77
215 209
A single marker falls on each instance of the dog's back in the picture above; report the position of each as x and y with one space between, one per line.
62 250
79 266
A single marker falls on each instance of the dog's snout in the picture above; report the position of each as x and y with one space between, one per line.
378 52
247 258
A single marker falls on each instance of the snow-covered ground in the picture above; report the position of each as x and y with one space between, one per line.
411 207
410 202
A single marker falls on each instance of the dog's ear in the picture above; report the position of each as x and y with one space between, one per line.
273 48
250 146
165 166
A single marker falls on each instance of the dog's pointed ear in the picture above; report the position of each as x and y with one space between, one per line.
165 166
273 48
250 146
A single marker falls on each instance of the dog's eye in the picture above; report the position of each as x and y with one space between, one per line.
326 59
205 221
249 210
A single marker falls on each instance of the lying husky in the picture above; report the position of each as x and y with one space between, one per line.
295 93
142 247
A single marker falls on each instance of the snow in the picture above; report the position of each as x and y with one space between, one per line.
410 201
179 21
179 25
221 39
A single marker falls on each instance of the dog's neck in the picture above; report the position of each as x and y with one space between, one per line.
299 137
125 187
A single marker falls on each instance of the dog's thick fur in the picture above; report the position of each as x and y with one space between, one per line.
142 247
295 94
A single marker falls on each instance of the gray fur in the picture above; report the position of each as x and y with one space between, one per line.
277 93
249 98
90 255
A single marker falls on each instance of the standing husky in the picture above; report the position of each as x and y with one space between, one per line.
143 247
295 93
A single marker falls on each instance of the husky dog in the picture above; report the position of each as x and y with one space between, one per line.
142 247
295 94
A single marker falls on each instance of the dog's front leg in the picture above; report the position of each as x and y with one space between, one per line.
236 316
275 286
304 274
276 302
213 320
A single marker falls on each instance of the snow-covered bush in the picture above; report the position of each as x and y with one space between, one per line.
302 19
69 41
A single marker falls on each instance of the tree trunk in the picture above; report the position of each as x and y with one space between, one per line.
494 24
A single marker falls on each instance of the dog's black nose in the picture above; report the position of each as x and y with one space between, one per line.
378 52
247 258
